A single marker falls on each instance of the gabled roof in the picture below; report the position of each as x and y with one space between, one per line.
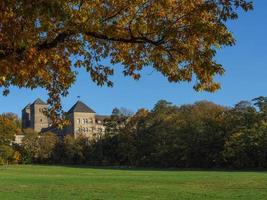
80 107
39 101
27 107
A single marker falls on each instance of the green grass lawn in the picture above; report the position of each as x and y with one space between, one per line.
55 182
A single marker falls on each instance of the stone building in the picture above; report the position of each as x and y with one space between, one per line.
33 116
83 120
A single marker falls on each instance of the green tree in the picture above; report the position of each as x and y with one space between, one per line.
30 144
261 104
202 134
6 154
156 136
75 149
243 116
7 130
247 149
128 138
186 136
116 121
47 144
7 135
108 146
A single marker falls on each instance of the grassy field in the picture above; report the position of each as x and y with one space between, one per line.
54 182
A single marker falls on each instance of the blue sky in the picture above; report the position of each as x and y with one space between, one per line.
245 77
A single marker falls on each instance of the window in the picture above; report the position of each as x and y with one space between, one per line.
86 121
41 120
87 129
78 121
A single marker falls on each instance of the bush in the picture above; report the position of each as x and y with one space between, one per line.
2 162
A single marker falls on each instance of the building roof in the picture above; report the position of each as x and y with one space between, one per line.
102 117
80 107
39 101
27 107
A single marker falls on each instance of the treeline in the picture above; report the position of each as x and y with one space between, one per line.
200 135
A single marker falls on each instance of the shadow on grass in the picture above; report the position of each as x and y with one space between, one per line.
129 168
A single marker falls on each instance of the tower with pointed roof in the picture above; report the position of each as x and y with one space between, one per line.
33 116
84 121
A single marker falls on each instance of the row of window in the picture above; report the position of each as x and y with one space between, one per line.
84 121
87 121
86 129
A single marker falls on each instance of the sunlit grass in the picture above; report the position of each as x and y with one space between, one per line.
59 182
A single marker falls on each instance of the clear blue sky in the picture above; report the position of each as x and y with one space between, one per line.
245 77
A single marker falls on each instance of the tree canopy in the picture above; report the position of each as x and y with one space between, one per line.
43 41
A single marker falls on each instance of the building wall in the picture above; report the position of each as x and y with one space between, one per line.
26 117
18 139
38 118
85 124
100 128
69 130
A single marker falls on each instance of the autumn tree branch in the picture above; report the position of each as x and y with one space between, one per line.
62 37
